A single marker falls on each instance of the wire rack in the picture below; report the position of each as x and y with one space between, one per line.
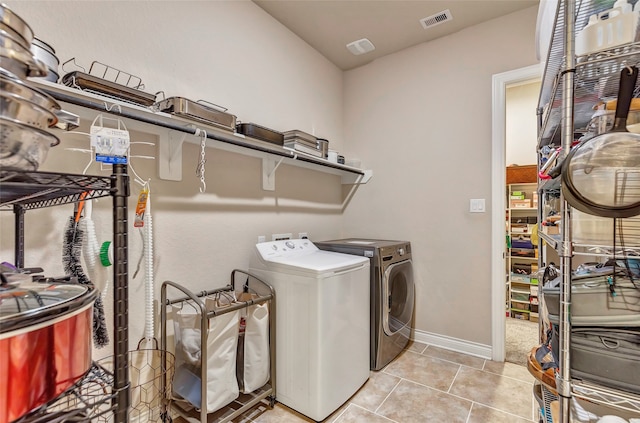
90 398
34 190
150 372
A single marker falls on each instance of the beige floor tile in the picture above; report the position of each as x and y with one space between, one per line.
336 414
371 395
423 369
509 369
415 346
456 357
281 414
503 393
411 402
482 414
355 414
226 411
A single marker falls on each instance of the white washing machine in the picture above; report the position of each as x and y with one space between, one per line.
322 323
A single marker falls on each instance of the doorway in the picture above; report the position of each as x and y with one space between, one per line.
498 203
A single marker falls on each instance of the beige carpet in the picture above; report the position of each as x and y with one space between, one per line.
521 336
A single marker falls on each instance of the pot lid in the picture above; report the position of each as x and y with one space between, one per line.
29 303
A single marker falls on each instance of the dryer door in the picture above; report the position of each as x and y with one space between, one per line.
399 297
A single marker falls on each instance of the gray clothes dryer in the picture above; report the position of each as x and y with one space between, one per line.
392 292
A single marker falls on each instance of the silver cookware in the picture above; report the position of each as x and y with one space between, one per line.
22 146
12 85
601 175
17 59
46 54
14 107
13 23
45 343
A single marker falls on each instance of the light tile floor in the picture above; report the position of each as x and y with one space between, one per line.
429 384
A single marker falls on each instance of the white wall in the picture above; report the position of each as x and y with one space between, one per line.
521 123
421 119
231 53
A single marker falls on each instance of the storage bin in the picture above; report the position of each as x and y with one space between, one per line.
521 243
221 339
521 268
608 29
596 230
520 204
521 316
593 303
518 296
519 229
523 252
517 277
607 356
518 305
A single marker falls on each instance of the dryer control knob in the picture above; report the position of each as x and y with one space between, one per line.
290 244
274 246
401 251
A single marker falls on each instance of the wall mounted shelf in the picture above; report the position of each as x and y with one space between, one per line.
173 131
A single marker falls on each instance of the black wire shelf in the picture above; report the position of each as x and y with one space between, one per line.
34 190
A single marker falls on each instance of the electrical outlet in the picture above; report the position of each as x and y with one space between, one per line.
303 235
280 237
262 238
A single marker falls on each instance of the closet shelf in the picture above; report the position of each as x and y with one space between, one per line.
173 130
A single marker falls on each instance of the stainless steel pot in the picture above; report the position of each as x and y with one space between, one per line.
14 107
14 23
22 146
45 343
11 84
46 54
18 59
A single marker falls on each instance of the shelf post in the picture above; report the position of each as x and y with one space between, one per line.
18 211
563 380
120 184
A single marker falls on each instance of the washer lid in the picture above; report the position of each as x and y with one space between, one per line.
303 256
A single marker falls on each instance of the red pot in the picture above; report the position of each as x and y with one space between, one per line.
45 343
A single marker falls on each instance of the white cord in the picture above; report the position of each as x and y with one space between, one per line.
90 248
148 255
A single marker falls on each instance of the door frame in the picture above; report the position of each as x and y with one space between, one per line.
500 82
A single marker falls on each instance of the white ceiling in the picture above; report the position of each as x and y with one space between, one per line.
391 25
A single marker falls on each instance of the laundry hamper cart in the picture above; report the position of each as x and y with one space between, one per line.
211 329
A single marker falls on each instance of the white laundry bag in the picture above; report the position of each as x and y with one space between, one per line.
253 349
221 340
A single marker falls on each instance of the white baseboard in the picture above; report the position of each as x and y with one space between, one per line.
453 344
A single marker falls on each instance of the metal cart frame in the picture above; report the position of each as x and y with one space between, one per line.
244 402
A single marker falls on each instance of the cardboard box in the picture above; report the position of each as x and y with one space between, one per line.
522 174
520 204
551 230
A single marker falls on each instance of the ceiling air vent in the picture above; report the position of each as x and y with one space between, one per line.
437 19
361 46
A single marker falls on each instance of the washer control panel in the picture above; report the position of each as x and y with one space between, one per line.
285 248
392 254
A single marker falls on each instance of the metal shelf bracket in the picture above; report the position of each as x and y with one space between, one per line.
269 167
170 155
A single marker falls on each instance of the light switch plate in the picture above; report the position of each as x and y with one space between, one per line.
476 205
